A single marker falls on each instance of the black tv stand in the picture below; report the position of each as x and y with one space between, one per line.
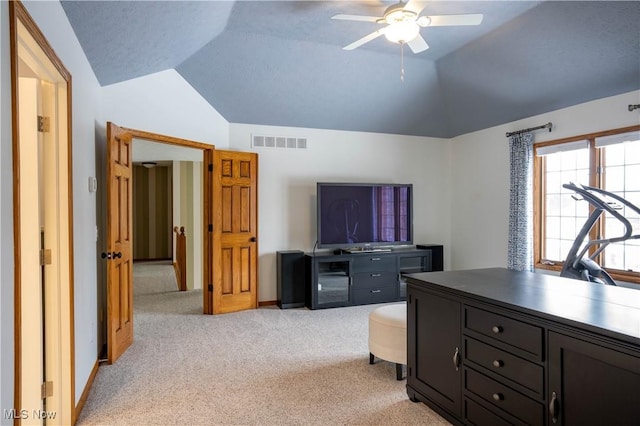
362 277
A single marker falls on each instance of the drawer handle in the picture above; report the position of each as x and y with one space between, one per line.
376 291
376 275
554 407
456 359
497 329
498 397
374 259
498 363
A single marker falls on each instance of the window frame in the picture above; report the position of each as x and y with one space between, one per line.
596 179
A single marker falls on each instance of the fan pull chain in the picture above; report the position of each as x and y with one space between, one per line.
402 62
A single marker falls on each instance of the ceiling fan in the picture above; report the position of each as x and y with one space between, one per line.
404 22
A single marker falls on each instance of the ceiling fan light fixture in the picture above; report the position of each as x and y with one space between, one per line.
424 21
402 31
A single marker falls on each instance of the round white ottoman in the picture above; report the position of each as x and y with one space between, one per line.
388 335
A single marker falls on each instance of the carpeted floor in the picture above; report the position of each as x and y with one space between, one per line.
260 367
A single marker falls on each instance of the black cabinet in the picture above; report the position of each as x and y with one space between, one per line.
533 349
346 279
435 358
591 383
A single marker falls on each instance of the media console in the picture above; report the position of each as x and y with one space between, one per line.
357 278
499 347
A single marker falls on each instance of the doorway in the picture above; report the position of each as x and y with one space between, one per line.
43 227
118 256
229 218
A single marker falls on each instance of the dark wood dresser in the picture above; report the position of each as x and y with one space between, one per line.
498 347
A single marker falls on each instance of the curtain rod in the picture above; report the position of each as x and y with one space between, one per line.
517 132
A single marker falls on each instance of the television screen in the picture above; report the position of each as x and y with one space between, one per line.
361 215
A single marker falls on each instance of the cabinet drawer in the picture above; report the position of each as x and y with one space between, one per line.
476 414
374 279
374 295
503 397
373 263
521 371
513 332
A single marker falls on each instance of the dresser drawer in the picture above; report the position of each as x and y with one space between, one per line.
374 279
504 398
521 371
476 414
373 263
508 330
374 295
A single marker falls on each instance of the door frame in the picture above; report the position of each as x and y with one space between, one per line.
60 356
207 201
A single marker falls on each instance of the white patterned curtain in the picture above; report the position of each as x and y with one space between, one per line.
520 250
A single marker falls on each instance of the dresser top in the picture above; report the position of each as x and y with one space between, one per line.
608 310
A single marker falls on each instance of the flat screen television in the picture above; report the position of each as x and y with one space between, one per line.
364 216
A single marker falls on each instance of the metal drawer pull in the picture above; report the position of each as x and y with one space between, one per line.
456 358
498 363
376 275
496 329
376 291
554 407
374 259
498 397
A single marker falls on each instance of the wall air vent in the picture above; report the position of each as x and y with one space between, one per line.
279 142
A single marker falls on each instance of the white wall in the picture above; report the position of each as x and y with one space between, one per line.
166 104
480 175
6 221
287 184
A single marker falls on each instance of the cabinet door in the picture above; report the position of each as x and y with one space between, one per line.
410 264
434 349
332 283
591 384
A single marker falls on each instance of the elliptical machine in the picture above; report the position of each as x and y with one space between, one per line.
582 267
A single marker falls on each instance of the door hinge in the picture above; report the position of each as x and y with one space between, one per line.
210 227
210 287
210 167
44 124
46 390
45 257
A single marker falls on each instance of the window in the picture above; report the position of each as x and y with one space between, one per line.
608 160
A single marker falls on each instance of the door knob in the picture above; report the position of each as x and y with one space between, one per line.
117 255
106 255
253 239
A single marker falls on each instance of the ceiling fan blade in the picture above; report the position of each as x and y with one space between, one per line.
450 20
415 6
366 39
418 44
356 18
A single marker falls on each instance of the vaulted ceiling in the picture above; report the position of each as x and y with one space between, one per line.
282 63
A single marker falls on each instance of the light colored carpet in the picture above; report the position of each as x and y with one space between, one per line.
260 367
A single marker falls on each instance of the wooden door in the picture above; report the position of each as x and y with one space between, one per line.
235 231
119 243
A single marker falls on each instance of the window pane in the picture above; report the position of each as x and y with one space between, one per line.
632 178
565 215
614 178
622 176
614 256
615 155
553 205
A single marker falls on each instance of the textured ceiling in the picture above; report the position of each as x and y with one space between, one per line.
281 63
